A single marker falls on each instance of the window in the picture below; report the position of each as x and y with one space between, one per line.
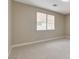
50 22
41 21
45 21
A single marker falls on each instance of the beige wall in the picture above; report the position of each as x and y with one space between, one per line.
9 26
67 25
24 24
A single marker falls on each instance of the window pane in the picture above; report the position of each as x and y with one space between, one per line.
41 21
50 22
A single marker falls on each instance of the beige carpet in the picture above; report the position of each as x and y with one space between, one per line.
55 49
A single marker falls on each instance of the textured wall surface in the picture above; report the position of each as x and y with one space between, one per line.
67 25
9 25
24 24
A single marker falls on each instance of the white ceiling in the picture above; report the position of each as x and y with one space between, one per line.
63 7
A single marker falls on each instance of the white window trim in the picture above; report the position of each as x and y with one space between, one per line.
46 22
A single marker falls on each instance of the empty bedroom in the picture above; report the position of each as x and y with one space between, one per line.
39 29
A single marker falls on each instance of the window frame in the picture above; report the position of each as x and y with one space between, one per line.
46 21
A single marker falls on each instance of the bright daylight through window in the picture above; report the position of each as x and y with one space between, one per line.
45 21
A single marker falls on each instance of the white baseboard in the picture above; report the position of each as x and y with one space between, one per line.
44 40
9 52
